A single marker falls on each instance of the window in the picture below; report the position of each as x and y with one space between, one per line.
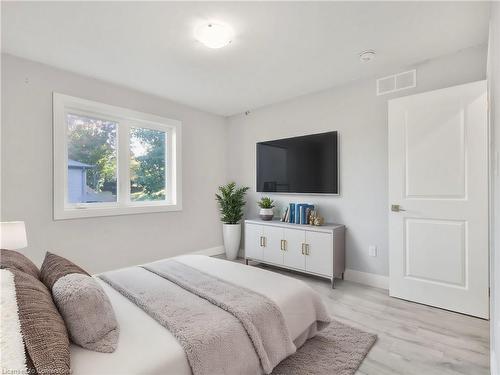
113 161
147 164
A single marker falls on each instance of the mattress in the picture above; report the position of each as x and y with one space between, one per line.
146 347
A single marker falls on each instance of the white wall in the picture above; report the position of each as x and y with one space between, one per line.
361 119
99 244
494 91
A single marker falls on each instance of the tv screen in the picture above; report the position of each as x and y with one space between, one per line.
305 164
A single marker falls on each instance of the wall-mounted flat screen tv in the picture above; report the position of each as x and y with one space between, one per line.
307 164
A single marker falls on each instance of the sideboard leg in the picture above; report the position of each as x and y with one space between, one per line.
342 275
333 282
246 261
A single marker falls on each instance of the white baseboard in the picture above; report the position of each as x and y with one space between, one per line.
371 279
217 250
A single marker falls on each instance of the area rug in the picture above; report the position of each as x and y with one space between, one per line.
337 350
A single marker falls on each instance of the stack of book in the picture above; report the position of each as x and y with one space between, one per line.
297 213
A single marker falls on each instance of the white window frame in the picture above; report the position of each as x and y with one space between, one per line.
126 118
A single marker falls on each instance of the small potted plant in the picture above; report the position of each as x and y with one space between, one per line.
266 205
231 202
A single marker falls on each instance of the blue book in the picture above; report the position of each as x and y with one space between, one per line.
297 213
292 213
303 208
300 213
304 216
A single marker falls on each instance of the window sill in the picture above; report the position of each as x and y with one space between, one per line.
88 212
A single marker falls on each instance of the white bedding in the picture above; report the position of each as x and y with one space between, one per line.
146 347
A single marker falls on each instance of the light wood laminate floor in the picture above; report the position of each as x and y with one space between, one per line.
412 338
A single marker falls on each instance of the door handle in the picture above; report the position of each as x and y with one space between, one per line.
396 208
283 245
305 249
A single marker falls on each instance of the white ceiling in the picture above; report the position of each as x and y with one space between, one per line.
280 50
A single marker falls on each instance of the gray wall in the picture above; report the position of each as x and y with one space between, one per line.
361 119
103 243
494 91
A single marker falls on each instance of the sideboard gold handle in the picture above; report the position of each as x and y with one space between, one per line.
284 245
302 246
307 249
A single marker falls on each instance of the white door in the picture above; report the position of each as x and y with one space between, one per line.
438 175
319 253
254 241
272 248
293 256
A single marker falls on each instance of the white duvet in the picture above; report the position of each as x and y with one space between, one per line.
146 347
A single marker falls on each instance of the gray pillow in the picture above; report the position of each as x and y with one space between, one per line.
88 314
82 303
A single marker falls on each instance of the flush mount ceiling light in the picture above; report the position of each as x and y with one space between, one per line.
367 56
214 35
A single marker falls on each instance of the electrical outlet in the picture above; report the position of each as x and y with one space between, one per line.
372 250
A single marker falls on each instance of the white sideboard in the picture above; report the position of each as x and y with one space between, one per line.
316 250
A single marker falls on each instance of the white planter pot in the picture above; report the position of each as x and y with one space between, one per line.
266 214
231 234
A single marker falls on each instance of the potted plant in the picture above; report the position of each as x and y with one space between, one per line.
266 205
231 202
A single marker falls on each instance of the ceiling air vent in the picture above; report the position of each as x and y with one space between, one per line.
397 82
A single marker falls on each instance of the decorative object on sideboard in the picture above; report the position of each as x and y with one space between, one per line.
266 205
231 202
13 235
316 219
284 214
297 213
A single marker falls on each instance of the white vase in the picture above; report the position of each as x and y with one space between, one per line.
231 234
266 214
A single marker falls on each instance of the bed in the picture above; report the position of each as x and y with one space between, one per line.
146 347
